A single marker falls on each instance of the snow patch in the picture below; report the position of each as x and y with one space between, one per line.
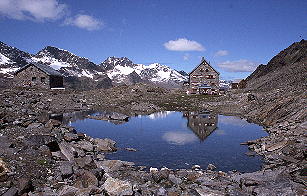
8 70
54 63
4 60
86 73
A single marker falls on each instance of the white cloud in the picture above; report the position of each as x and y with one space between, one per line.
183 44
85 22
35 10
232 120
186 57
238 66
179 138
221 53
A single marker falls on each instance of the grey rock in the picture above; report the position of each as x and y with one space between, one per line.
68 191
115 186
3 171
24 186
161 192
131 149
11 192
112 165
174 179
105 144
66 169
84 161
86 179
70 137
160 175
67 150
211 167
117 116
85 145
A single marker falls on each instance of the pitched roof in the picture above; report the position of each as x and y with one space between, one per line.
45 68
203 61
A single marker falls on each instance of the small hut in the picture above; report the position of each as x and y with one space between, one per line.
38 75
238 84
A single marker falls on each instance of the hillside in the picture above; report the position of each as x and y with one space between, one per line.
286 69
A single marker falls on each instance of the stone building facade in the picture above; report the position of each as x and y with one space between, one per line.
204 79
39 76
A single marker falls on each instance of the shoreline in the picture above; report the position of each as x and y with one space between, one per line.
282 149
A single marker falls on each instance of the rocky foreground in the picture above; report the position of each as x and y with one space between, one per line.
42 156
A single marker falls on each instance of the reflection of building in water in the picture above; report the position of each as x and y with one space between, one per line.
201 123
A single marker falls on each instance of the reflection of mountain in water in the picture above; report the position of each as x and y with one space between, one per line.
202 124
112 117
67 118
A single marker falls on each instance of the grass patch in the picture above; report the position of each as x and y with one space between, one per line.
42 162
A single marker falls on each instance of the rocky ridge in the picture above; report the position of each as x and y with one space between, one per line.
80 73
289 68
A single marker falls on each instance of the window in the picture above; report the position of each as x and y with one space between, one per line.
43 79
33 79
207 70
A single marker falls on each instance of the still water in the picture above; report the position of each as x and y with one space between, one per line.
179 140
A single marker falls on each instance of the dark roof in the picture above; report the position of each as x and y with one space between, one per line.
45 68
203 61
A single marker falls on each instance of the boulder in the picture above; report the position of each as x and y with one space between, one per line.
53 123
24 186
131 149
174 179
66 169
115 186
3 171
67 150
68 191
86 146
11 192
277 146
211 167
117 116
106 144
84 161
112 165
70 137
86 179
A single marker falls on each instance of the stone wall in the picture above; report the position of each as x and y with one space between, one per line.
32 77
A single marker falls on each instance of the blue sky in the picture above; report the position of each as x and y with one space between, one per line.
235 36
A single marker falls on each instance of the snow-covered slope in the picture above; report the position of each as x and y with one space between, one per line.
68 63
11 59
4 60
225 84
118 69
80 72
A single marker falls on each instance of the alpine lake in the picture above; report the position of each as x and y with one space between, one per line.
176 140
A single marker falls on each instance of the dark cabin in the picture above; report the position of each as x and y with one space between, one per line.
38 75
204 79
238 84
